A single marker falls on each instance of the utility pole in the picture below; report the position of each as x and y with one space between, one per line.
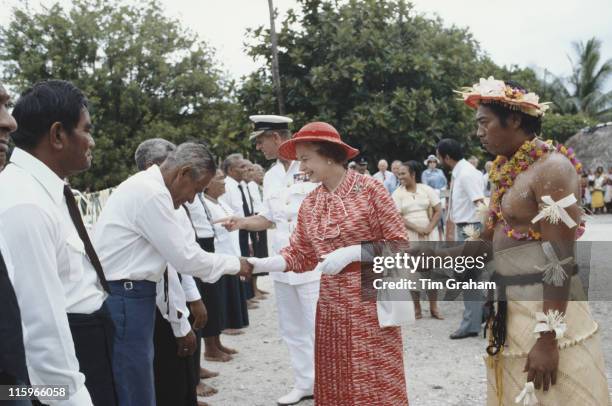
275 71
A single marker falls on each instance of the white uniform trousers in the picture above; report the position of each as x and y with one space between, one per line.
297 306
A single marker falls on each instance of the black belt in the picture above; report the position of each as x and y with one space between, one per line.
498 319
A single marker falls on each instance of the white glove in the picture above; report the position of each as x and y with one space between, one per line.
336 261
270 264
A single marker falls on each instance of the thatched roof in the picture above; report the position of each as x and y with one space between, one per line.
593 146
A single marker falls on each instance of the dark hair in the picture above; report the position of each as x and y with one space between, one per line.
47 102
414 168
529 124
332 151
284 133
450 147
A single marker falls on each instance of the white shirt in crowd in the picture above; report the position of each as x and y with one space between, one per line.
284 193
226 242
180 289
135 236
256 195
52 274
466 188
383 176
232 196
175 310
486 190
199 219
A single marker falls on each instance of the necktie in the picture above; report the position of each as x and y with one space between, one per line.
75 215
245 205
250 199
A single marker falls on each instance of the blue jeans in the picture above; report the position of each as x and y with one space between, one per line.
473 300
132 307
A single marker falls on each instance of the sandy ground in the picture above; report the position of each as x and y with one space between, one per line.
439 371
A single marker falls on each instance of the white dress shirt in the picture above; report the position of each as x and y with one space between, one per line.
256 195
466 188
174 309
135 236
232 196
283 196
199 219
226 242
6 255
388 179
50 276
192 293
180 289
247 194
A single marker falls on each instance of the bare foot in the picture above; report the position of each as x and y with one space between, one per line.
217 356
200 403
232 331
251 305
227 350
205 390
206 374
260 296
436 314
263 292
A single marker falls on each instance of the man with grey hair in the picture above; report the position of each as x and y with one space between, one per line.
384 176
136 239
176 356
152 151
238 198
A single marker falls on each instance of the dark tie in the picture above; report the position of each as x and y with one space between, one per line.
75 215
250 199
245 205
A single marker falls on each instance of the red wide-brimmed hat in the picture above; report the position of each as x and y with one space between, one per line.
315 132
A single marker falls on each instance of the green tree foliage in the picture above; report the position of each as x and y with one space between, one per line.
561 127
381 73
588 79
145 76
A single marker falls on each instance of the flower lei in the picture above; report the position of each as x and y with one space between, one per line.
504 172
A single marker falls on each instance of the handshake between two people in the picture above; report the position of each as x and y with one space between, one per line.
330 264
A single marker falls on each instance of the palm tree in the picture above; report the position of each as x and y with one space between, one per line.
588 80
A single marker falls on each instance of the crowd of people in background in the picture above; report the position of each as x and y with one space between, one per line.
143 292
596 187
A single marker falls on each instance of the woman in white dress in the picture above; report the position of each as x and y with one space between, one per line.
420 208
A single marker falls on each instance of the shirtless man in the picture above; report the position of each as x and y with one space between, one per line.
535 192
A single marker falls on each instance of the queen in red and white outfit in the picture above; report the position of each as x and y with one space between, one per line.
356 361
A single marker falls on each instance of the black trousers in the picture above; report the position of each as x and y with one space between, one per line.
174 375
93 344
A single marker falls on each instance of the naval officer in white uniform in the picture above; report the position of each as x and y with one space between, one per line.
284 189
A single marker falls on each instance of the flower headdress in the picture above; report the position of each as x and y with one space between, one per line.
493 90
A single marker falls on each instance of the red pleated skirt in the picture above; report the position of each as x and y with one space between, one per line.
356 362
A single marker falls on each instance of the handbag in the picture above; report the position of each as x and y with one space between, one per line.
394 308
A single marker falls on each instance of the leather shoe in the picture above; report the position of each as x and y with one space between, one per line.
459 335
294 397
